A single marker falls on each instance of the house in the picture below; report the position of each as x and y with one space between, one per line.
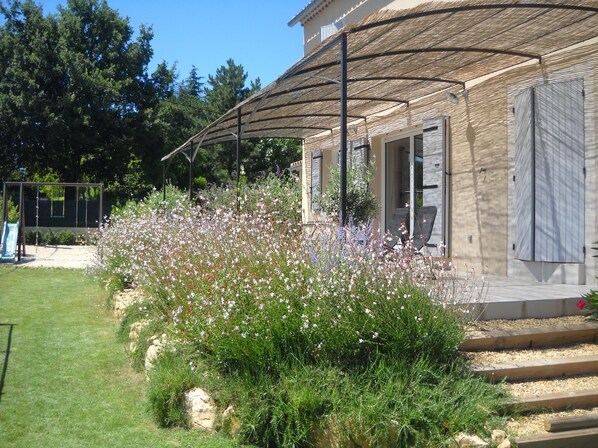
320 19
483 110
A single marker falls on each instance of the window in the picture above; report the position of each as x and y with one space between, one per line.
328 30
549 173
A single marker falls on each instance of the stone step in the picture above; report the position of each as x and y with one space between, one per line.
538 368
532 337
558 401
579 438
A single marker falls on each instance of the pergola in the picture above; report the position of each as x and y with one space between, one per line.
395 58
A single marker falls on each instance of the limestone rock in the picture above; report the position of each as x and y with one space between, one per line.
151 355
329 436
134 332
504 444
136 328
153 351
125 298
201 409
470 441
498 436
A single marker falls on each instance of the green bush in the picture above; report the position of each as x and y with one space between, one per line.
51 238
590 300
66 238
13 210
33 237
276 196
362 204
152 203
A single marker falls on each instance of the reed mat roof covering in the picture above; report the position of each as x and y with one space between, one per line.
397 57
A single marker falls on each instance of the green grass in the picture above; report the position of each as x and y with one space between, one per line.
69 383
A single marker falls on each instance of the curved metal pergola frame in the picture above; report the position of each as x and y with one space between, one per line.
393 58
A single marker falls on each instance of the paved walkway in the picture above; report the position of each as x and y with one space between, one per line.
504 298
79 257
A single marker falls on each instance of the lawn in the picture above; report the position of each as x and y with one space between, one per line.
68 381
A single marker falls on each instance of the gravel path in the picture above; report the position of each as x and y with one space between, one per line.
540 387
75 257
513 356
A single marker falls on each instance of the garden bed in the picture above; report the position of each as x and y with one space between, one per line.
293 334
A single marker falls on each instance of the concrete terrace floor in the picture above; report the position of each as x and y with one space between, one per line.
504 298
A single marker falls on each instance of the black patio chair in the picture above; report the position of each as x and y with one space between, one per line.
424 223
397 227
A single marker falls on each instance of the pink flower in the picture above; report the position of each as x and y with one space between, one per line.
581 304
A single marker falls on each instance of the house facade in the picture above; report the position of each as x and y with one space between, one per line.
322 18
509 161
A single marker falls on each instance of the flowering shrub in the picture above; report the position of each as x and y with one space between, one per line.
275 196
258 301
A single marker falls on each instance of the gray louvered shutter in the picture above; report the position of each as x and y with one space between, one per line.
524 175
360 153
560 154
434 179
316 179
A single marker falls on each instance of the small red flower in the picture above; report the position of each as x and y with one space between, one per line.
581 304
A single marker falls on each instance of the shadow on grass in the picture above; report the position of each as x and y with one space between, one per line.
6 356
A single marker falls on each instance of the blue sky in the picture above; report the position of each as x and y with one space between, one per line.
206 33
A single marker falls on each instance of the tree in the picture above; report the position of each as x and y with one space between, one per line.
175 119
30 87
75 95
76 100
225 90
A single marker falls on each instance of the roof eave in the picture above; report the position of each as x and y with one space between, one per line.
309 11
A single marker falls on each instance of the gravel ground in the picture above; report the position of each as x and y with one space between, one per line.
481 327
514 356
75 257
540 387
534 424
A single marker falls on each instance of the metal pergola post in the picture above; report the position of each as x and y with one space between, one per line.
343 131
4 204
101 217
190 173
164 181
21 235
238 155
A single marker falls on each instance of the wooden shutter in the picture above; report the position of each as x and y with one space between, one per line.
524 176
559 173
360 154
434 178
316 179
